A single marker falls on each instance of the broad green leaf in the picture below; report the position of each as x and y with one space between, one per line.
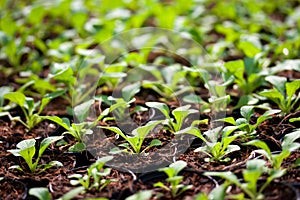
259 144
78 147
155 142
229 120
249 49
273 95
218 192
288 141
178 166
26 144
192 98
160 106
41 193
81 111
292 87
72 193
141 195
46 142
130 90
278 82
236 68
160 184
267 115
231 177
143 131
60 121
192 131
16 97
231 148
247 112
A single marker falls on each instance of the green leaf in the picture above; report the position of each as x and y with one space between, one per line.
178 166
249 49
78 147
288 141
247 112
16 97
155 142
278 82
218 192
81 111
64 122
267 115
236 68
41 193
192 131
192 98
161 185
141 195
46 142
72 193
231 177
260 144
292 87
130 90
161 107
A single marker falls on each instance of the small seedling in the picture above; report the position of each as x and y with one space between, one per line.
29 107
180 114
137 137
174 179
251 175
244 124
27 150
94 177
288 145
215 149
283 93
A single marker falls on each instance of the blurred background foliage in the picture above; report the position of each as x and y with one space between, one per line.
34 34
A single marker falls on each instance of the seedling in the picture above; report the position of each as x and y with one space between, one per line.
180 114
288 145
245 124
174 179
137 137
215 149
283 93
238 68
78 130
94 177
27 150
29 107
251 175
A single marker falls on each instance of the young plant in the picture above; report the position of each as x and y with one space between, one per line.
283 93
214 147
218 100
27 150
94 177
244 124
137 137
78 130
288 145
29 107
247 74
179 114
174 179
251 175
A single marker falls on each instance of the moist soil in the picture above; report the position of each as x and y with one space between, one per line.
125 182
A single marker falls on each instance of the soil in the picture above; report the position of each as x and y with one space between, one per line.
125 181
